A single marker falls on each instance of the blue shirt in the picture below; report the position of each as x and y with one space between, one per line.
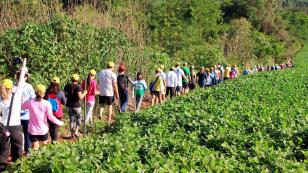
27 94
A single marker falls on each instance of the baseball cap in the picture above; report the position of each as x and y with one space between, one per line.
40 88
7 83
55 80
75 77
92 72
110 64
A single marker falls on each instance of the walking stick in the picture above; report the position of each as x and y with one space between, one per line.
85 108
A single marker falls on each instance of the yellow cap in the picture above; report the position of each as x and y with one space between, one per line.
158 69
75 77
92 72
7 83
40 88
110 64
55 80
162 66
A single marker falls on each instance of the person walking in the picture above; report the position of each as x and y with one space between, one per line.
201 77
27 94
156 95
140 88
56 97
193 77
40 111
180 77
122 82
74 94
227 72
171 82
91 86
187 80
108 90
246 71
163 89
213 76
208 79
11 141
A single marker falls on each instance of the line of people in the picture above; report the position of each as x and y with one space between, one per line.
29 114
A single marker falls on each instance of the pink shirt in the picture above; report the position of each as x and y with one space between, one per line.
39 112
91 90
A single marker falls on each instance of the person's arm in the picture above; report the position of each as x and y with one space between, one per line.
25 105
183 74
62 98
21 80
115 88
81 95
144 85
51 117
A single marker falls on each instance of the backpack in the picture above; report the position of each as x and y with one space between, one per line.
122 82
152 85
55 104
232 74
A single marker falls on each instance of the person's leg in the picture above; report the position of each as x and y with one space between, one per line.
124 101
172 92
167 91
72 120
152 99
90 107
109 107
16 139
138 102
51 130
78 120
4 151
27 142
159 97
36 145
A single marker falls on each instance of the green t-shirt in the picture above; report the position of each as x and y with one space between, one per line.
187 73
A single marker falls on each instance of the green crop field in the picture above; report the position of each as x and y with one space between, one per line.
257 123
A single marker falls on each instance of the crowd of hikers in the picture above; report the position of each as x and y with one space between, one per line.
30 115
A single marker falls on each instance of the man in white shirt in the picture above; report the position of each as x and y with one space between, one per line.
171 82
108 90
180 76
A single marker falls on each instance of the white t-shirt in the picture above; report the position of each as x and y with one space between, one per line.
179 73
106 78
16 106
163 75
171 79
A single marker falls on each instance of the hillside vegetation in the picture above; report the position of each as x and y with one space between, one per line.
253 124
69 33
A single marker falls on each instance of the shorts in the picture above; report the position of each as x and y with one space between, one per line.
156 93
179 89
185 85
106 100
35 138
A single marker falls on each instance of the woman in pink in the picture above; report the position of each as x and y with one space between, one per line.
40 110
91 87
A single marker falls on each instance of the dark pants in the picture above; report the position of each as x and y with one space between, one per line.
123 100
171 91
53 130
16 140
27 142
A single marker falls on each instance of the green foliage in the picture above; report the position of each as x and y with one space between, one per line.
64 46
245 125
296 23
201 55
177 24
